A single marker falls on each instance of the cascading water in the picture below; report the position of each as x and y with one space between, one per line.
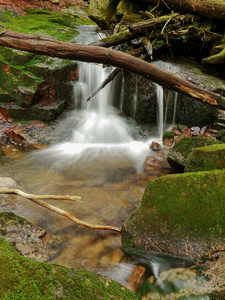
135 98
99 134
159 98
99 139
174 107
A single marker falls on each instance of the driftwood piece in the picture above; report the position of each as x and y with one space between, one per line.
36 199
116 58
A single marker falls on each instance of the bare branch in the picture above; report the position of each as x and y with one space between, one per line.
35 198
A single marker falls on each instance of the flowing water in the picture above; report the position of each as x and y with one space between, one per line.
103 164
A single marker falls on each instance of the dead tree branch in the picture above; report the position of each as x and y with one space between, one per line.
104 83
36 199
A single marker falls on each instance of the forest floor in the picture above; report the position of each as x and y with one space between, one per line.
18 6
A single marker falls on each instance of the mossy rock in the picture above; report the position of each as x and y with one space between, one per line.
101 12
181 214
168 135
221 135
206 158
177 156
23 278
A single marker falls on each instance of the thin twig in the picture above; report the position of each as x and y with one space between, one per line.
171 17
35 198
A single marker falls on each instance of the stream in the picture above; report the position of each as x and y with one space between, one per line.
103 164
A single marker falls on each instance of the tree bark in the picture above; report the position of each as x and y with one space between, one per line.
133 31
209 8
118 59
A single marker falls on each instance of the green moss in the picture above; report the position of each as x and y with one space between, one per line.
177 156
206 158
59 25
168 135
187 144
183 206
23 278
6 217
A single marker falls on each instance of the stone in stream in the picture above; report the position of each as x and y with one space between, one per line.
180 214
23 278
177 156
206 158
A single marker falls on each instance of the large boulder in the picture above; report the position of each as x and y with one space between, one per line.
28 79
177 156
101 12
23 278
206 158
180 214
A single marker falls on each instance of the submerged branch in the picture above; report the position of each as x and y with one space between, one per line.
36 199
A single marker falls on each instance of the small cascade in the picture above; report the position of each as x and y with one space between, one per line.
174 107
159 98
167 100
100 137
122 93
135 97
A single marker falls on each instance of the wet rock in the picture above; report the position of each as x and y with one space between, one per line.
46 110
53 281
101 12
151 163
26 95
168 138
8 182
186 132
155 146
29 240
177 156
178 138
180 214
195 131
17 137
206 158
203 130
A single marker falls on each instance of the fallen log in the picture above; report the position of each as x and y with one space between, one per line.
36 199
116 58
209 8
133 31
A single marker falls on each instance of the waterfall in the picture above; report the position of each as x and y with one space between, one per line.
135 97
174 107
100 137
159 98
122 93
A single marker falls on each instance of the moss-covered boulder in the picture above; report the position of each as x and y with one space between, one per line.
206 158
221 135
177 156
23 278
101 12
26 78
181 214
